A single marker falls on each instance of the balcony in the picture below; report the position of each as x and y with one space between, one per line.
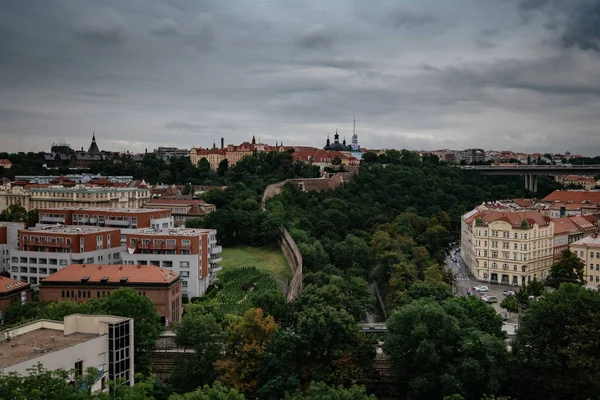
216 259
45 219
170 246
216 268
156 246
216 250
142 245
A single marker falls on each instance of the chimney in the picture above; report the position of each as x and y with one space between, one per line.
145 151
222 142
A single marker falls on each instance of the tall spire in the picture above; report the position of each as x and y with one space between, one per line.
93 146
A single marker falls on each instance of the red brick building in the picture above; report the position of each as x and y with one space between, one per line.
122 218
82 282
12 291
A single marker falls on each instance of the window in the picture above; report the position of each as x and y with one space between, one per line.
516 246
32 270
494 254
79 368
184 264
494 265
184 284
591 254
524 268
133 241
185 274
53 270
90 260
516 235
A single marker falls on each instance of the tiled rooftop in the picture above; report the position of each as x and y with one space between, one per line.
113 273
9 284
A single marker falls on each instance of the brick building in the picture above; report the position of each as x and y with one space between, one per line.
45 249
82 282
192 253
12 291
126 219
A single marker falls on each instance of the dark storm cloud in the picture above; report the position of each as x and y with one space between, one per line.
577 20
418 74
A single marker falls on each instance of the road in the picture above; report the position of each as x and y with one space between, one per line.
464 280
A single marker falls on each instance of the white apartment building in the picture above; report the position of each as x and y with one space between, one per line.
192 253
9 239
508 247
45 249
588 250
79 342
80 195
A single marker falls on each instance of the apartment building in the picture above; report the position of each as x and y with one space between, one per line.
78 196
588 250
213 156
82 282
182 210
568 230
508 247
564 203
78 342
9 239
127 219
192 253
12 291
45 249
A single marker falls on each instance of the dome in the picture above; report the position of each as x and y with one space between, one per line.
337 146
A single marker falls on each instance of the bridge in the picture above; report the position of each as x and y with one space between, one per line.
531 172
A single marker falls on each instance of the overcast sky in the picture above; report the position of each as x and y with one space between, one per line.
521 75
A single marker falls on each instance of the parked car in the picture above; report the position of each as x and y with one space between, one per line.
508 292
482 288
489 299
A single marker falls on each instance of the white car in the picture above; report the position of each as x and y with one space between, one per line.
482 288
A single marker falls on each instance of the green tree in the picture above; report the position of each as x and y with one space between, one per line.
369 157
320 391
244 350
202 333
223 167
215 392
437 291
32 218
127 302
272 302
203 166
557 350
568 269
14 213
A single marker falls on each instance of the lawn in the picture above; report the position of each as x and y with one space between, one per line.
262 258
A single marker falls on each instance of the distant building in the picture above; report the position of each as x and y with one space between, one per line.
585 182
82 282
166 153
564 203
85 159
182 210
472 156
508 247
568 230
192 253
13 291
79 195
45 249
80 342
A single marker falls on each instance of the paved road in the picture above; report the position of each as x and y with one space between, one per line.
464 281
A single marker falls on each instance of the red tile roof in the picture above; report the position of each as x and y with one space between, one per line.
565 225
574 196
95 272
515 218
9 284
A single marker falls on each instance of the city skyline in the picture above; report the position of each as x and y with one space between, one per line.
426 75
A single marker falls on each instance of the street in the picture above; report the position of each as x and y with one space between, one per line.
464 281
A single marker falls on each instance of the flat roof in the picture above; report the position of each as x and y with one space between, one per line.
106 209
21 348
171 232
68 229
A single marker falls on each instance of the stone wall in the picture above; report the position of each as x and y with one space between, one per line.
288 245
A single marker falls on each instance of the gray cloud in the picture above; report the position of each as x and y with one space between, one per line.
577 20
438 74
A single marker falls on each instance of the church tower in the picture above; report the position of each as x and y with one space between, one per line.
93 146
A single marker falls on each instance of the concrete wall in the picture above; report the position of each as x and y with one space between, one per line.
288 245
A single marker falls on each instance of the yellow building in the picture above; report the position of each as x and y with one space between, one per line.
507 247
588 250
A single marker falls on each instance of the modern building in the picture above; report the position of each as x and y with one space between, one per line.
82 282
166 153
182 210
588 250
508 247
13 291
45 249
128 220
192 253
78 196
79 342
9 239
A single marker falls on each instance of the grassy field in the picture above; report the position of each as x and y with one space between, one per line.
262 258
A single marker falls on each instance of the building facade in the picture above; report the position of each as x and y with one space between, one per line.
13 291
9 239
78 196
568 230
192 253
588 250
82 282
128 220
79 342
182 210
508 247
45 249
166 153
